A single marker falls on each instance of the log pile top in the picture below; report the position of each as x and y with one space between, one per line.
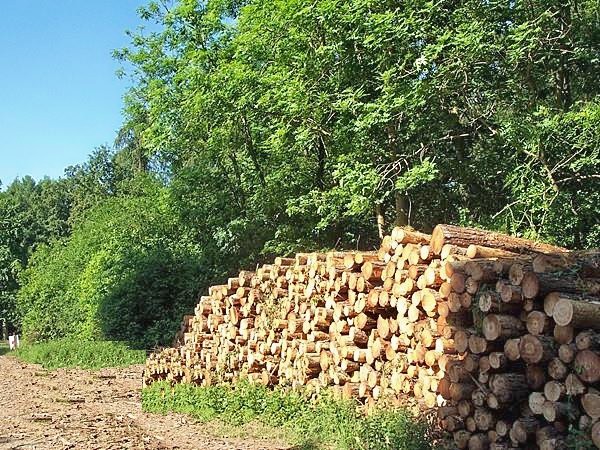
501 335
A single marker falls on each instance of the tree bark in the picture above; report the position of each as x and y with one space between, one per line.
585 263
577 311
401 201
451 234
536 349
500 326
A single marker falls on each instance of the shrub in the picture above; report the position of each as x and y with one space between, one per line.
126 273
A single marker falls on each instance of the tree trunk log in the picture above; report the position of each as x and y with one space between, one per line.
538 323
563 335
536 349
479 251
512 349
557 369
587 339
591 405
536 376
499 326
554 391
587 366
524 429
509 387
574 386
577 311
450 234
406 236
543 283
479 442
586 263
596 434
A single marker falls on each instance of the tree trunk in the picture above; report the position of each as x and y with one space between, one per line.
577 311
500 326
401 209
544 283
451 234
587 366
509 387
536 349
586 263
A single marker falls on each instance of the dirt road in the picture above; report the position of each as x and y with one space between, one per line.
79 409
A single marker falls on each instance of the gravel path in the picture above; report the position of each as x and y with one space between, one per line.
80 409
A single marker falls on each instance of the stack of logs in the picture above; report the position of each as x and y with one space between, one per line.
529 365
496 332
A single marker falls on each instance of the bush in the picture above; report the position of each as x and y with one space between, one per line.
82 354
126 273
326 421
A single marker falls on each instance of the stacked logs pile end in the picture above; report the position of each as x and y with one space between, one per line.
497 333
529 365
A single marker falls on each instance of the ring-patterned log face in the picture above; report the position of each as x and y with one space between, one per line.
491 327
531 349
563 312
587 366
591 405
464 330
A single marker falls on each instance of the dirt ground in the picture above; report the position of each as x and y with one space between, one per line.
80 409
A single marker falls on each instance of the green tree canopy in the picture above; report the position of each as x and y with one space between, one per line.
255 127
126 272
308 115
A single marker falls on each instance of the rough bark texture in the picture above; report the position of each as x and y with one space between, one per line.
577 311
476 331
498 326
586 263
536 349
450 234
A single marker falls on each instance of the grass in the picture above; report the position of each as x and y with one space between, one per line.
309 424
83 354
3 348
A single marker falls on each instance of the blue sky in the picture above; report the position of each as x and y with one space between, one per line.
59 95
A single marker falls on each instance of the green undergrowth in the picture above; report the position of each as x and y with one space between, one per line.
309 424
83 354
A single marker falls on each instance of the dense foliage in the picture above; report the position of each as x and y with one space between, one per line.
325 423
256 127
30 214
123 273
313 113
